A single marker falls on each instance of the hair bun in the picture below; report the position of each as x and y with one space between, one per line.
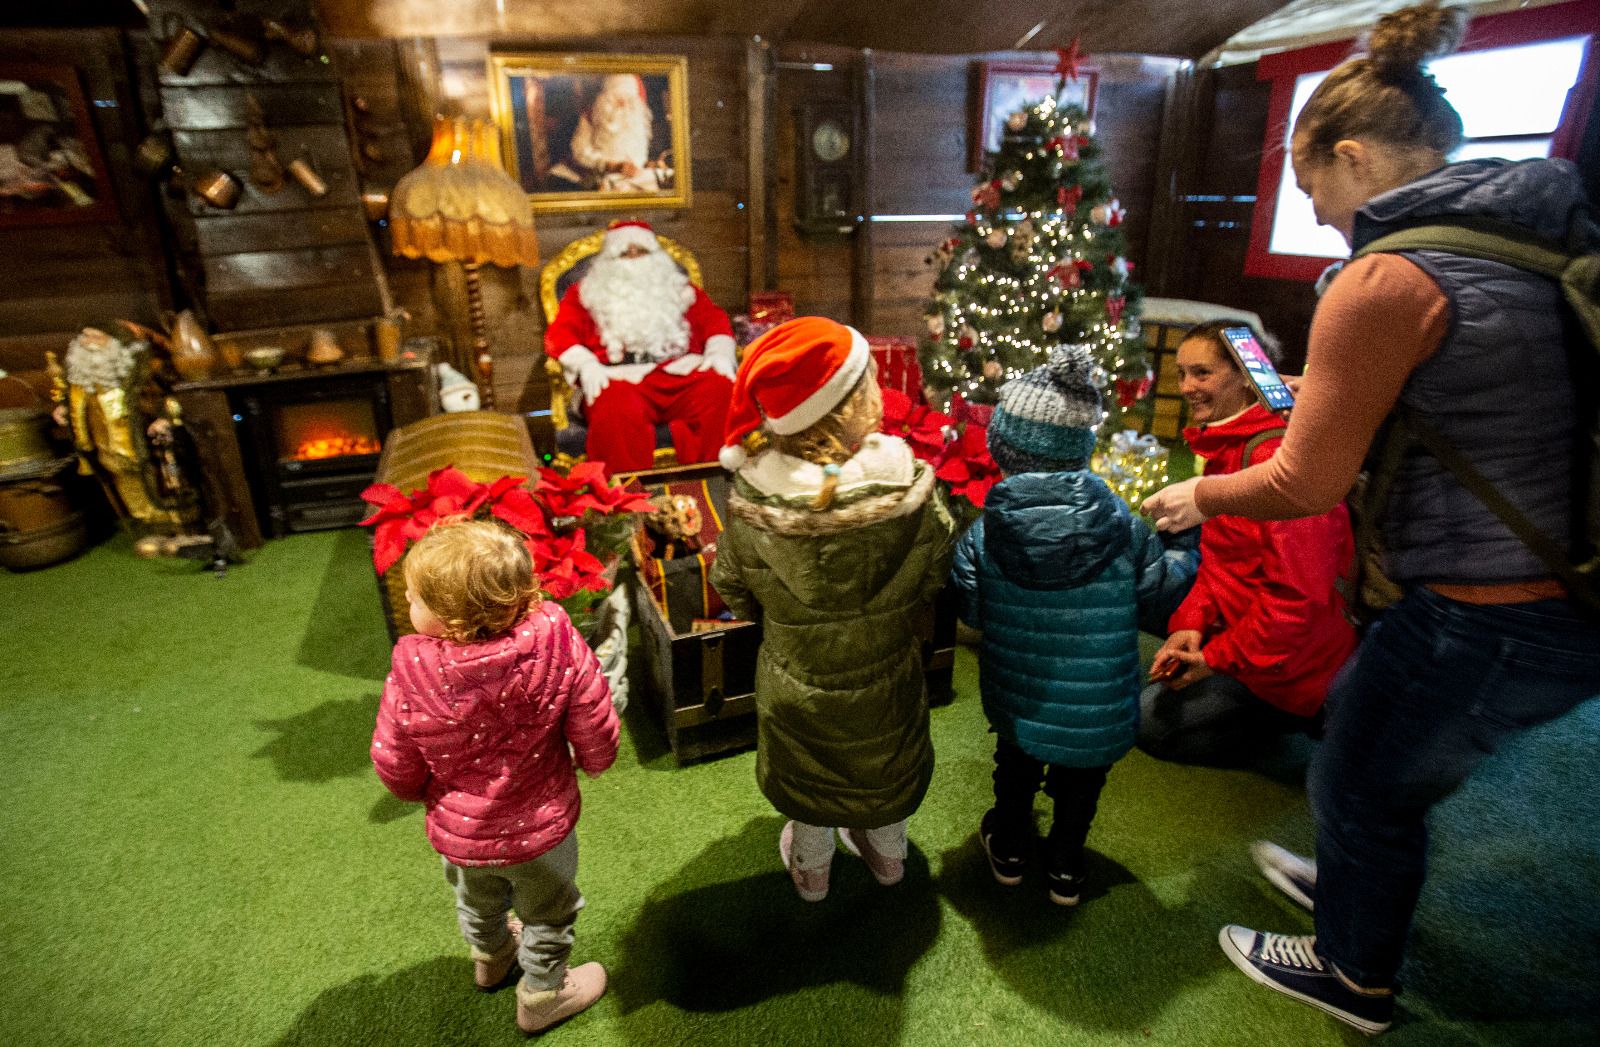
1404 40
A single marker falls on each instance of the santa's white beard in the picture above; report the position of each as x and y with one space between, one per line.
616 131
638 304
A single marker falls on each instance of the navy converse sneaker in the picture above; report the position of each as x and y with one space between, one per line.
1007 853
1290 965
1288 872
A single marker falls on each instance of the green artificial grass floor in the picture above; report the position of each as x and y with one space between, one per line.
194 851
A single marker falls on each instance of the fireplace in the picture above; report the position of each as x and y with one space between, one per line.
311 446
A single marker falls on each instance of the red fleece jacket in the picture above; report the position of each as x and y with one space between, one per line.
1265 600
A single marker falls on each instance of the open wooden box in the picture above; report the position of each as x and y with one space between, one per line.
701 684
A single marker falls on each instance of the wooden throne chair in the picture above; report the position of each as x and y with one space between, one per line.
557 275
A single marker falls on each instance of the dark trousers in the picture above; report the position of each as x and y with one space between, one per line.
1075 790
1436 687
1217 721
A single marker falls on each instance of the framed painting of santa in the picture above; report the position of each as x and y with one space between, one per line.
589 132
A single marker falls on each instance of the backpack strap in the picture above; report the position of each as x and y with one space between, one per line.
1257 440
1478 238
1579 579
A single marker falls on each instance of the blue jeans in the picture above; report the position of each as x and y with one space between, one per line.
1436 686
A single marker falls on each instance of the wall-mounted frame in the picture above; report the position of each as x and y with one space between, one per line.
590 132
51 169
1005 87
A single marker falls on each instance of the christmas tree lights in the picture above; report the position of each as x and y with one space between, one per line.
1038 263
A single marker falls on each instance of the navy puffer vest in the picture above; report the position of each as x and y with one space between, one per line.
1499 387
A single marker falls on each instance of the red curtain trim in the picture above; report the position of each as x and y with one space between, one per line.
1557 21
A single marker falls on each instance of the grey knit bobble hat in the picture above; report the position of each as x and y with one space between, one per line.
1046 420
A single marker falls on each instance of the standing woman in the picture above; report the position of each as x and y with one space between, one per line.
1484 642
1252 649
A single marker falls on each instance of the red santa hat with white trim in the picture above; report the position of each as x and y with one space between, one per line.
790 379
627 232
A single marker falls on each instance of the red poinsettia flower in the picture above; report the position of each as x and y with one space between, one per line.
918 425
967 466
565 567
584 489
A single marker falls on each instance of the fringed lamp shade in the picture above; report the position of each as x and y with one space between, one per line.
461 205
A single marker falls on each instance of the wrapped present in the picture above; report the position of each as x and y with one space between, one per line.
1133 465
898 369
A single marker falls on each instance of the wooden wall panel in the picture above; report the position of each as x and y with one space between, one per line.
920 121
1230 125
924 117
715 227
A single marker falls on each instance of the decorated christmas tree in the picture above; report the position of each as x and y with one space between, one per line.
1038 262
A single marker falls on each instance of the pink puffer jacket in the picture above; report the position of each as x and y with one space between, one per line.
480 733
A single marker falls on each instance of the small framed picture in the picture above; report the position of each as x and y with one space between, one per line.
1005 87
51 170
590 132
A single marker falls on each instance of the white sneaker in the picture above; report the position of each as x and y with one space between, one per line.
1288 872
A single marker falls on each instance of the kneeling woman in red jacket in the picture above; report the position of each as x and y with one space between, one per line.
1252 649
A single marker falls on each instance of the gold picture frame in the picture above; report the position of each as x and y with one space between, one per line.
634 156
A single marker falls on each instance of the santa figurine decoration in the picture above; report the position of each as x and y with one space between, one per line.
643 346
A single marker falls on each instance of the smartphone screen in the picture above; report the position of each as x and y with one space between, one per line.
1258 368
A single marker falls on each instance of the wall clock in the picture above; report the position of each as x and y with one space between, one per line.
825 168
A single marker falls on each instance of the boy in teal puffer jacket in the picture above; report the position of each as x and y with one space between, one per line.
1059 575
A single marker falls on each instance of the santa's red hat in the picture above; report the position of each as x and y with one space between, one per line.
789 380
625 232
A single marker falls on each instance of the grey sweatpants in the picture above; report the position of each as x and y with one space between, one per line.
545 898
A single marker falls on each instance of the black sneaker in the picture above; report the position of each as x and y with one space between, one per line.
1065 887
1288 872
1007 855
1290 965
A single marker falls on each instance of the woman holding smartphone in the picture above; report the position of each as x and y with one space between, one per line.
1484 641
1252 648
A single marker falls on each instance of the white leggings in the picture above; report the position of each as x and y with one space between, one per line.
814 846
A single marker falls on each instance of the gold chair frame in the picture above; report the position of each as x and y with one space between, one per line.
561 393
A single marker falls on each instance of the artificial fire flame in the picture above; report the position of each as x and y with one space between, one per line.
338 446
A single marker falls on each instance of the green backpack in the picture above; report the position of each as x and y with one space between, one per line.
1579 277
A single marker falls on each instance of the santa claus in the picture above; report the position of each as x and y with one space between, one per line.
613 137
643 346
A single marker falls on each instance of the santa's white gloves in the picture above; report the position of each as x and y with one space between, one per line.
721 356
584 370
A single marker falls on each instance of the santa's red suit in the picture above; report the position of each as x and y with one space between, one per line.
644 346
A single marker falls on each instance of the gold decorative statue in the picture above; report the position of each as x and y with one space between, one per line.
124 427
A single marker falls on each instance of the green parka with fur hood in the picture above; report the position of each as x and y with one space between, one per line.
841 710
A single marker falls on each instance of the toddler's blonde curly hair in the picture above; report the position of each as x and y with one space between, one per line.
476 576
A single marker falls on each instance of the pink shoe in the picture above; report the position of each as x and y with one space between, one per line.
490 970
538 1009
811 884
887 871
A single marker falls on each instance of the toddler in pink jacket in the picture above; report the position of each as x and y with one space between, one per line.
484 714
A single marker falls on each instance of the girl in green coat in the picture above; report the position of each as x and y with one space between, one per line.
836 540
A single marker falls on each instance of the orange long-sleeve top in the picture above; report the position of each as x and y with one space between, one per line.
1381 318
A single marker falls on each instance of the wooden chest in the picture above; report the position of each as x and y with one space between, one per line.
701 685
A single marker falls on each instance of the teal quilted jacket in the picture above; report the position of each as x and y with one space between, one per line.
1059 575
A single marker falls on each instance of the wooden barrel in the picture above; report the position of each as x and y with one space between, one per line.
38 526
485 445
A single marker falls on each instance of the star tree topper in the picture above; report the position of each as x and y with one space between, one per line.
1068 59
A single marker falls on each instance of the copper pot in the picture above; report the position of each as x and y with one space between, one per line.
217 188
182 48
302 172
153 155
